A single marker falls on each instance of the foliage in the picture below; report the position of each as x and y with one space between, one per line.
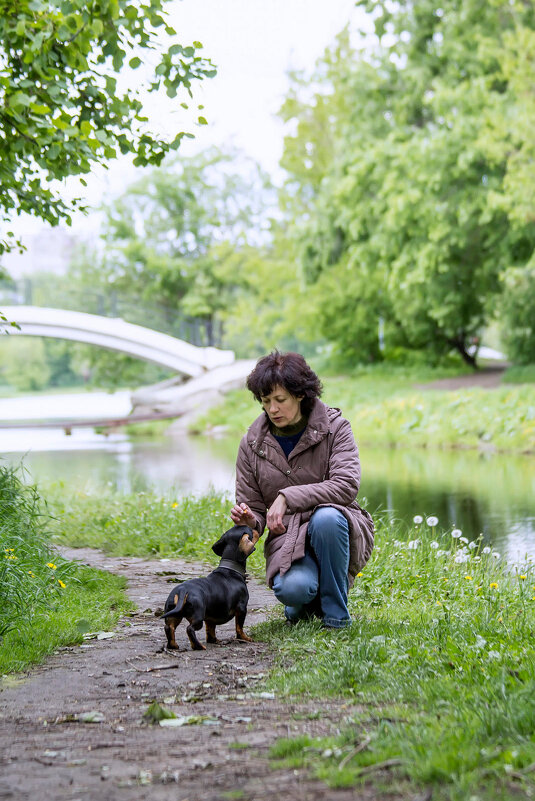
518 313
520 375
24 363
438 660
404 164
63 108
32 577
161 236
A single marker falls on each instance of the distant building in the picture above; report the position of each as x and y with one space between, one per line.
48 250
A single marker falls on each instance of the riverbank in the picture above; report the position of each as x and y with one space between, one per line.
430 690
394 408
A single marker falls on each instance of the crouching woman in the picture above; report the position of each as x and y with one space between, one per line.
298 472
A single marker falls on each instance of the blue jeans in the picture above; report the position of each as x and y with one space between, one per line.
322 573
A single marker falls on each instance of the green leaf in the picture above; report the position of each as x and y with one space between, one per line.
202 120
135 62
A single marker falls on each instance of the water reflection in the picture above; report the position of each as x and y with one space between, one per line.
478 493
488 494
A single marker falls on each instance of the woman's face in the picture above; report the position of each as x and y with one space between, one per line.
282 408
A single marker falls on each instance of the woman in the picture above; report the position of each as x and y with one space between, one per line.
298 471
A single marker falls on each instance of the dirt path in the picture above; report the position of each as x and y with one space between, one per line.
485 378
47 751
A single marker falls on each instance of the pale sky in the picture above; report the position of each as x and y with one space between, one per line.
253 43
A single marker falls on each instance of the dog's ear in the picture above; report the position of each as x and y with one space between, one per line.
219 546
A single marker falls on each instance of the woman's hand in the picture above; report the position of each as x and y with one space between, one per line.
241 515
275 514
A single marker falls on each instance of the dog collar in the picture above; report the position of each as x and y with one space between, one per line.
230 564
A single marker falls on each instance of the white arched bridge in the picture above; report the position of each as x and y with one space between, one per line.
116 334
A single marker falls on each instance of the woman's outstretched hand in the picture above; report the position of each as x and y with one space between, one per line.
275 514
241 515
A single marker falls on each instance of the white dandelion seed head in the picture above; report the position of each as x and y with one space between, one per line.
496 555
456 533
413 544
433 545
494 655
472 545
486 549
432 521
417 519
463 540
460 558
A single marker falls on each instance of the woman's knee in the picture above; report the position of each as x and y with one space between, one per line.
328 523
296 587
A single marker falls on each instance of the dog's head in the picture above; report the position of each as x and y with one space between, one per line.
237 543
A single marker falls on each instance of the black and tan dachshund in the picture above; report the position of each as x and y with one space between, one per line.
218 597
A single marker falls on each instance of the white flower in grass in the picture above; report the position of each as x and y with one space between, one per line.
456 533
472 545
413 544
433 545
496 555
432 521
417 519
494 655
486 549
442 553
460 558
463 540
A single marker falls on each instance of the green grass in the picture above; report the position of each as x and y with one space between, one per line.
385 408
42 595
145 524
92 600
440 658
519 374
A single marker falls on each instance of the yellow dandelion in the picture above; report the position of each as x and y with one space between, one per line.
468 578
494 585
359 575
438 603
31 573
51 565
522 577
500 620
61 584
174 505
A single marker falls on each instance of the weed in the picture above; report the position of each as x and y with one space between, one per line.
440 649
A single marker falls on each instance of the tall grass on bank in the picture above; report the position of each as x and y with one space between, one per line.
145 524
441 658
387 408
43 596
32 577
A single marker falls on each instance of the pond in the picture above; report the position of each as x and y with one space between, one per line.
489 494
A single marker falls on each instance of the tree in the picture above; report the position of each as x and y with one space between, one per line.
62 108
162 236
412 216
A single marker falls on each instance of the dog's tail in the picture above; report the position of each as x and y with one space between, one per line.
179 606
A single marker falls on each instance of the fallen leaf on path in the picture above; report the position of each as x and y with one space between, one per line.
190 720
90 717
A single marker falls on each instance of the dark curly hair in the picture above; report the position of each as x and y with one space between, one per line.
288 370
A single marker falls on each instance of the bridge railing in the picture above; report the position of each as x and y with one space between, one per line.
199 331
